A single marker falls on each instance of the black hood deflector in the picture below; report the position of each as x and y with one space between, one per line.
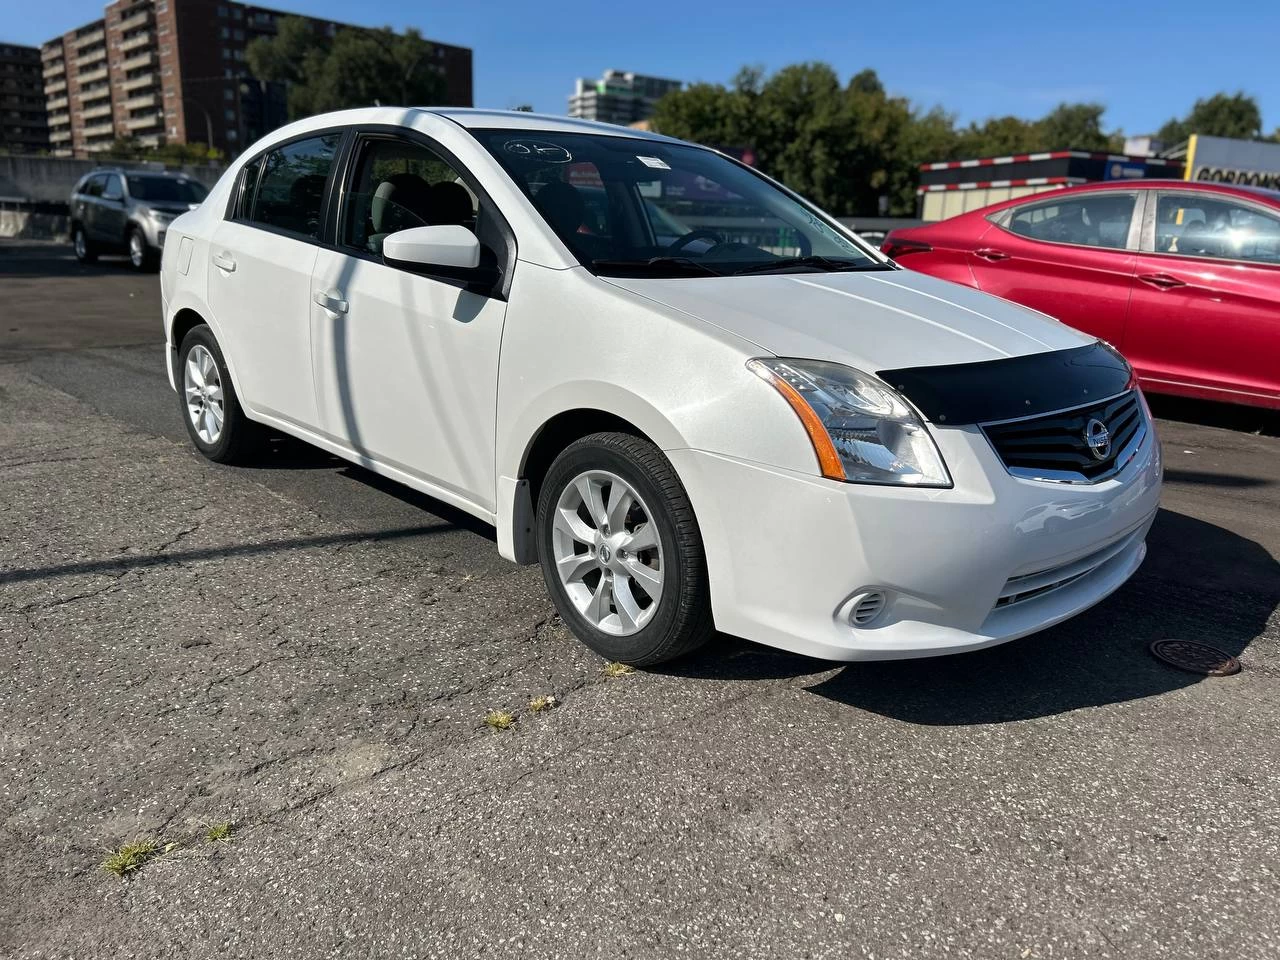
993 390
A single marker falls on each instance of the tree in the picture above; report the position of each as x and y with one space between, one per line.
1222 115
356 67
128 148
1073 126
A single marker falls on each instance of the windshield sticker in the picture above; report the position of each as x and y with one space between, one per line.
657 163
539 150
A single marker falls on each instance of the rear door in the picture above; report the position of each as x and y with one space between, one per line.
1071 256
86 202
1205 314
261 259
108 212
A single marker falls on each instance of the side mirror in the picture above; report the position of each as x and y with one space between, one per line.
449 246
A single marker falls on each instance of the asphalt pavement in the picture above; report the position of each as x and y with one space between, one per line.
307 652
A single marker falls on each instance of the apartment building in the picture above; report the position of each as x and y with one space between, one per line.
619 97
174 71
23 128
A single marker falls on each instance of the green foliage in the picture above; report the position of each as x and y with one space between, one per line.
1223 115
354 68
173 154
845 147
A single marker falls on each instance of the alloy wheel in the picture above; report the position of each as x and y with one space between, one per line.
137 249
81 247
607 552
202 388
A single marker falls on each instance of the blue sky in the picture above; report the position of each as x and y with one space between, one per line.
1146 62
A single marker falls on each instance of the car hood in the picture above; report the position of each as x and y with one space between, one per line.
873 321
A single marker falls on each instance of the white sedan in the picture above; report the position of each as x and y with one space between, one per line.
695 399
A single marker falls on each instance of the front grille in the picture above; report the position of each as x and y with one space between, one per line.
1054 446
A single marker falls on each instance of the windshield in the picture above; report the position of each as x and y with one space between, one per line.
166 189
625 205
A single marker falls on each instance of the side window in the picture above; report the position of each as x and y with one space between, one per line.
242 208
93 187
1088 220
290 193
113 189
399 185
1205 226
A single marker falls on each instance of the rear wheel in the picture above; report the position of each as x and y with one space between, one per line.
85 251
210 408
621 552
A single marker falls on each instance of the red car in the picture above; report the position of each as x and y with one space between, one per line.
1182 277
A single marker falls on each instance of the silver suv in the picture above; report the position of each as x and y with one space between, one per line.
128 211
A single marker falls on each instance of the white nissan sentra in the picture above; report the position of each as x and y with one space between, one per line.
695 399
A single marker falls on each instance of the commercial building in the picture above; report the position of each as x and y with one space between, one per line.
951 187
1251 163
23 128
174 71
618 97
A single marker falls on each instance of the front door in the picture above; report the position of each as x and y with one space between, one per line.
406 365
1070 256
260 268
1205 315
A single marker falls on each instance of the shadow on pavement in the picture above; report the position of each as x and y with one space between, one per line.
1205 478
1200 582
1207 413
34 261
123 564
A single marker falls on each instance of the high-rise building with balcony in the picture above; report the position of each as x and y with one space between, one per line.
23 126
174 71
618 97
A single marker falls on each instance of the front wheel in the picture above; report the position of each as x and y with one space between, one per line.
621 551
210 408
141 256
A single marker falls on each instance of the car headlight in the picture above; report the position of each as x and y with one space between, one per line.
862 430
159 217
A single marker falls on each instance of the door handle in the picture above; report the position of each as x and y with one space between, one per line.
1161 281
224 261
331 303
990 253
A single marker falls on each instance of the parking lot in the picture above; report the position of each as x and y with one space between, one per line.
307 652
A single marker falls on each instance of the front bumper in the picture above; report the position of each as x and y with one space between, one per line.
992 559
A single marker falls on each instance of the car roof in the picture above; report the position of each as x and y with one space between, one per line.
475 119
135 172
1164 183
468 118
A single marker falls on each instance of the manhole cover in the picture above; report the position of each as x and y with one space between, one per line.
1195 657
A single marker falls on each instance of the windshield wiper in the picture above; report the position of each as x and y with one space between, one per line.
686 264
823 263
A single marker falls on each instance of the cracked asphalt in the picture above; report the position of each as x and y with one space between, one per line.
308 652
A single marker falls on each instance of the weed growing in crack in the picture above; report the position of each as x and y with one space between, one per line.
500 720
539 704
612 670
130 857
219 832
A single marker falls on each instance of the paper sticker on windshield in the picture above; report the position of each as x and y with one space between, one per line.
656 162
538 150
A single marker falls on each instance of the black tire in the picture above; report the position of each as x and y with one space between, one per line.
240 437
683 621
147 262
84 249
